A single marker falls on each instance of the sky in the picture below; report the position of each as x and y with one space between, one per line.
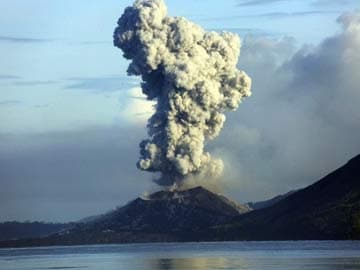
71 119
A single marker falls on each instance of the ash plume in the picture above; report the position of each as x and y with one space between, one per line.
192 76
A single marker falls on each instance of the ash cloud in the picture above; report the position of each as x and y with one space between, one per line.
303 121
192 75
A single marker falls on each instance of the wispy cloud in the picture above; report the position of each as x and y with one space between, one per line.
103 84
257 2
13 39
249 3
10 102
277 15
21 39
12 80
294 14
244 31
41 106
334 2
33 83
96 42
8 77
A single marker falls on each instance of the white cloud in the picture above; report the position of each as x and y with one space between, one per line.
137 108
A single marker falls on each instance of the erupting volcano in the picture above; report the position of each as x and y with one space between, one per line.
192 75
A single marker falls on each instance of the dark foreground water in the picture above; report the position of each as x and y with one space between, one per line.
312 255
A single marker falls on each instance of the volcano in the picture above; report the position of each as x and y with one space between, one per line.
160 217
164 215
326 210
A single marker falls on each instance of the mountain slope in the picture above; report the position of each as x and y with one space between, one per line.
328 209
164 216
269 202
163 213
166 211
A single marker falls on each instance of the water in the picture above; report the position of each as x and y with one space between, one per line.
312 255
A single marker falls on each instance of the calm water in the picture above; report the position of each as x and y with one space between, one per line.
235 255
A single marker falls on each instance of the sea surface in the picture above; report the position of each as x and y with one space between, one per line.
312 255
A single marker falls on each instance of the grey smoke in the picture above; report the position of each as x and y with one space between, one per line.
304 119
192 75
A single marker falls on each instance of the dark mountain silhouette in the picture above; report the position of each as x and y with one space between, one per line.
12 230
328 209
270 202
163 216
168 211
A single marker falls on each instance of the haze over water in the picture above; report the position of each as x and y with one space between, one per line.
314 255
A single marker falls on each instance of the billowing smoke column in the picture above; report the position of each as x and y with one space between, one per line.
193 77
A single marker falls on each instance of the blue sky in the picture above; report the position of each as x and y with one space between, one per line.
64 88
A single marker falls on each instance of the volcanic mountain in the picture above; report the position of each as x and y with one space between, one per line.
328 209
162 216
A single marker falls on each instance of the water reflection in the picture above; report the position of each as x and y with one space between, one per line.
212 263
201 256
196 263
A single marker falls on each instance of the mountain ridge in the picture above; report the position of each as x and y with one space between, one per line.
329 209
162 217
